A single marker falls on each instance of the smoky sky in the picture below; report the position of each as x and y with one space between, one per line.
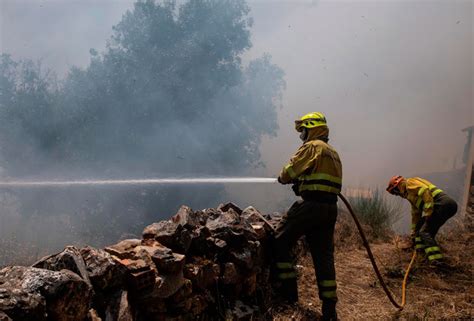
394 78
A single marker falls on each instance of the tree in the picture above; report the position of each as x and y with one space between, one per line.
27 115
169 96
173 82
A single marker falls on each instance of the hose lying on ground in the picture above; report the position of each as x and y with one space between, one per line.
374 264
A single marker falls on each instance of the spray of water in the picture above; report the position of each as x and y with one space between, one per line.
151 181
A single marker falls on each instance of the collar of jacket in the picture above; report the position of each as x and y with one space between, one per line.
403 189
318 133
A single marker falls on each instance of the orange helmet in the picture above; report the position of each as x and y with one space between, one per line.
394 182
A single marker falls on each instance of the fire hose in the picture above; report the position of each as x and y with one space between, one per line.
401 305
389 294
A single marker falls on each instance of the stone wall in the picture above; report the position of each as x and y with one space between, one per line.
211 264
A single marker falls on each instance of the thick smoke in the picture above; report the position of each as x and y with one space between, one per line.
168 97
394 79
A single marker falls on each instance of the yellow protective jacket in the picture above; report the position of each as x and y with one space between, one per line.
420 193
316 165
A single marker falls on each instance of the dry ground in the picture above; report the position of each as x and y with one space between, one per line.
431 294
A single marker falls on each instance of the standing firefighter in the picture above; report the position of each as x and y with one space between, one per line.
316 172
430 209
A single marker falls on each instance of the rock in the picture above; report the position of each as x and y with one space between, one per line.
225 227
150 242
231 275
21 304
124 248
104 271
189 219
165 229
63 295
202 272
216 245
230 228
199 244
141 281
145 253
69 259
251 215
224 220
243 258
202 216
191 271
4 317
166 285
260 231
170 234
212 213
119 309
92 315
250 284
168 262
149 308
198 304
240 312
226 207
254 217
133 255
274 218
258 255
134 265
184 292
182 307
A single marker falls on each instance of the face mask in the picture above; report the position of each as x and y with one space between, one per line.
304 134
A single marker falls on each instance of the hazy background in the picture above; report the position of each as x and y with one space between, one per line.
394 79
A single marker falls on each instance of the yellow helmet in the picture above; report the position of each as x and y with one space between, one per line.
310 120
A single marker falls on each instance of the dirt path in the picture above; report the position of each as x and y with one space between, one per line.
431 294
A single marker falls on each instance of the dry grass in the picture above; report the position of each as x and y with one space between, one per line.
377 211
346 234
431 294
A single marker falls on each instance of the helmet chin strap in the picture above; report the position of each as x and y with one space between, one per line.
304 134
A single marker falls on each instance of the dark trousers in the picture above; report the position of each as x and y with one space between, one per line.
444 208
316 221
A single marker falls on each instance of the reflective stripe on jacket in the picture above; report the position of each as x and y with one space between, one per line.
420 193
316 166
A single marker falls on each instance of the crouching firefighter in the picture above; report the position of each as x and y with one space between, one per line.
430 209
316 172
